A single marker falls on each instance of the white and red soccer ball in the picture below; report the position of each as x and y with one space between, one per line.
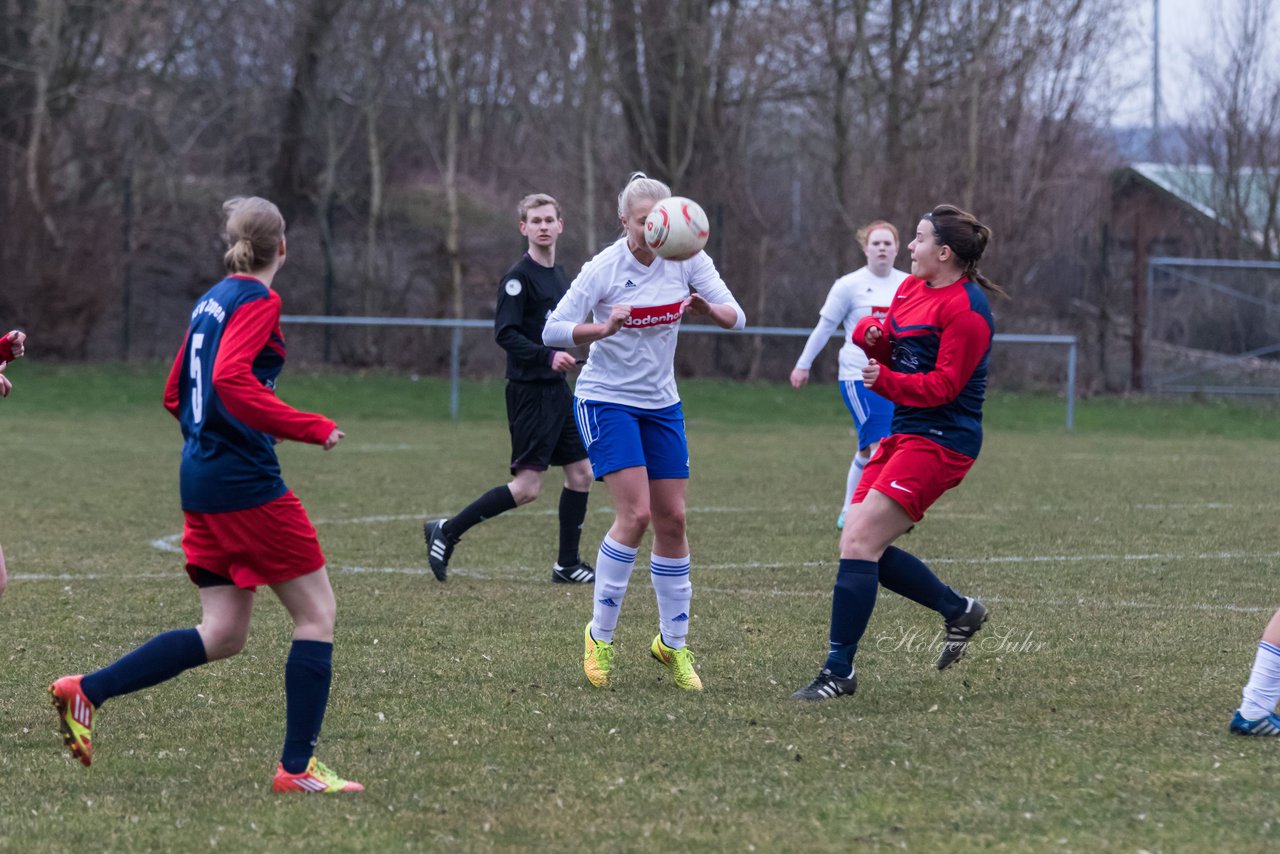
676 228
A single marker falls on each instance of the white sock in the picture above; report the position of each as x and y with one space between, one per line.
855 475
670 578
614 563
1263 688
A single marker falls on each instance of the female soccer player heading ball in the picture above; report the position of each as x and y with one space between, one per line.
628 412
243 526
936 339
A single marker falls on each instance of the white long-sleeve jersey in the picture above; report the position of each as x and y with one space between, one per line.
852 297
635 366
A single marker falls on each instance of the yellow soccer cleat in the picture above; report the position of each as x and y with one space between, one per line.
597 660
679 662
75 717
317 778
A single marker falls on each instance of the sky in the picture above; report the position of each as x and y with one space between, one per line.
1186 26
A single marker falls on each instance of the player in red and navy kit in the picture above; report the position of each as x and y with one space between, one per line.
630 417
243 527
937 340
12 346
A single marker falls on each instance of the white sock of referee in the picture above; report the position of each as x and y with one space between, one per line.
614 563
670 578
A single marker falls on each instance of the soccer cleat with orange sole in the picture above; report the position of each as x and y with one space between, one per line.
75 717
318 778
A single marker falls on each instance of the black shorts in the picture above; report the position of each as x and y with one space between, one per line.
543 432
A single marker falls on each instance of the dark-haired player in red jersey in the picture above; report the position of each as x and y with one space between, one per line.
243 526
12 346
937 339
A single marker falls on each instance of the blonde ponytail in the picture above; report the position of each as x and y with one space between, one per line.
253 230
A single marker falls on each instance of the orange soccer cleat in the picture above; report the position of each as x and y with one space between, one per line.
316 778
75 717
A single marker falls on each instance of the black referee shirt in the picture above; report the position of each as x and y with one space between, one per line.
527 294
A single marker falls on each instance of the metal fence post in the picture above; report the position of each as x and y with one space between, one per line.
1071 386
455 356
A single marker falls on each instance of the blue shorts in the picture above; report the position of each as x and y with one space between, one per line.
872 414
618 436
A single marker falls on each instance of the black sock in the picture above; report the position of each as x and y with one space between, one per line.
495 501
852 602
307 674
907 575
163 657
573 512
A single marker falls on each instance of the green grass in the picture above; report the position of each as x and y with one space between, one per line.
1130 567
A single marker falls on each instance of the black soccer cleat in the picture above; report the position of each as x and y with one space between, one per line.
827 686
575 573
439 547
960 631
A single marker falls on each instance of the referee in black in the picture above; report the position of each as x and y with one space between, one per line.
539 403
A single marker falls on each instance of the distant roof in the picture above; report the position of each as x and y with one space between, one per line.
1197 187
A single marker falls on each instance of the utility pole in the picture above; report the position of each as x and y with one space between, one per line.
1155 81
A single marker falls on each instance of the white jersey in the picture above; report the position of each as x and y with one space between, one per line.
852 297
636 366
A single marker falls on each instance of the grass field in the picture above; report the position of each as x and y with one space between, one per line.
1130 568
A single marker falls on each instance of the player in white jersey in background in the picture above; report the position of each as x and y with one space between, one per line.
867 290
628 412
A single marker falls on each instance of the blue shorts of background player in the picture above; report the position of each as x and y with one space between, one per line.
873 417
872 414
618 436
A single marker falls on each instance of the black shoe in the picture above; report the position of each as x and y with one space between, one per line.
575 573
827 686
439 547
960 631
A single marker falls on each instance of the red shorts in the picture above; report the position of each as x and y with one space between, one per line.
913 471
261 545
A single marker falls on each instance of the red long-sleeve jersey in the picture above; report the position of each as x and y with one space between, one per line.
940 343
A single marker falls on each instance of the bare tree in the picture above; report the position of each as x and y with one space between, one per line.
1237 132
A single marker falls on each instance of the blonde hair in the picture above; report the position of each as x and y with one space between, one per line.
864 234
536 200
253 230
640 186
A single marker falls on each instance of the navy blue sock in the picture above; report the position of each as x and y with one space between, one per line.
906 575
852 601
307 674
495 501
163 657
573 512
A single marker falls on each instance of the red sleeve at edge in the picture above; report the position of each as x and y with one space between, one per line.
246 398
883 351
171 386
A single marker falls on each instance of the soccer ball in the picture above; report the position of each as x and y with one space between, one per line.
676 228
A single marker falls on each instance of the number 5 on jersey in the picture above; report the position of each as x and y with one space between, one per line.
197 385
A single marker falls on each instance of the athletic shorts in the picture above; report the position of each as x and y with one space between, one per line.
913 471
262 545
540 417
619 437
872 414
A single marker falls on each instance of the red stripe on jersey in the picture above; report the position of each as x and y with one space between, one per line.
655 315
